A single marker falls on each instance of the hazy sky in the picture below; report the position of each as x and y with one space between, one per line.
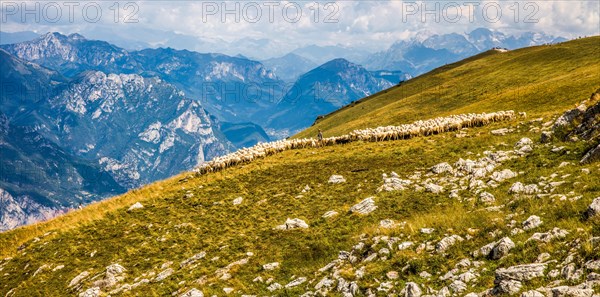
364 24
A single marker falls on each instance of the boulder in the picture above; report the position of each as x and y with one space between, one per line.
458 286
593 265
566 291
567 118
91 292
433 188
274 287
238 201
404 245
532 293
192 259
164 274
76 280
426 230
500 176
546 137
523 142
412 290
228 290
501 132
516 188
115 269
486 198
549 236
447 242
193 292
336 179
525 150
530 189
329 214
364 207
592 155
387 224
135 206
532 222
594 208
393 184
271 266
392 275
291 224
508 287
501 248
441 168
520 272
296 282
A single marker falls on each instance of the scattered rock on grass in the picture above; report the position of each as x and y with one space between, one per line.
135 206
291 224
364 207
336 179
594 208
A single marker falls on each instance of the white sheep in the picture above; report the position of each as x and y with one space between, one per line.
405 131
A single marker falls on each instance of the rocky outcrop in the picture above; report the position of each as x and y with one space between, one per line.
364 207
592 155
135 206
532 222
192 293
291 224
21 210
501 248
594 208
336 179
582 122
447 242
509 280
521 272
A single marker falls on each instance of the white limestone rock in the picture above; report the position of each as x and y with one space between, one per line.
336 179
532 222
500 176
433 188
441 168
238 201
447 242
193 292
135 206
594 208
330 214
364 207
271 266
76 280
291 224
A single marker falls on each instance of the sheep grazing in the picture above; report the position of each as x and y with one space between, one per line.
406 131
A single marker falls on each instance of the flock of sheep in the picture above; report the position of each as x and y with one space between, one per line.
418 128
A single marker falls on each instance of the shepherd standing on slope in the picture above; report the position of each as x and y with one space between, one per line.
320 137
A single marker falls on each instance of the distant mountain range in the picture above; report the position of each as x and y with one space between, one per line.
290 66
428 51
15 37
323 90
68 141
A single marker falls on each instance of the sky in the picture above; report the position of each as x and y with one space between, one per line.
283 26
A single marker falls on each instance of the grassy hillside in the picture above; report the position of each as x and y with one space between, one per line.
537 80
191 215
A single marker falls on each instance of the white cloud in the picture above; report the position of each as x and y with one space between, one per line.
367 24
